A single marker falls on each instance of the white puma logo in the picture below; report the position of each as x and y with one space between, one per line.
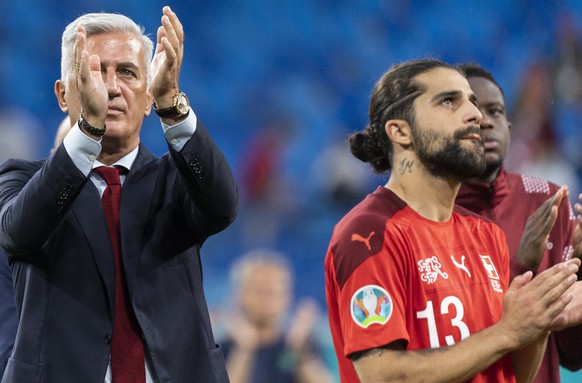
461 265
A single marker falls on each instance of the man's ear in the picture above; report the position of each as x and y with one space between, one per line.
398 131
148 108
60 91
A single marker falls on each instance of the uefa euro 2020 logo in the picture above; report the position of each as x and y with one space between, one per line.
371 304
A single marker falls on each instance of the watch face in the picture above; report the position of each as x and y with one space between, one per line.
182 103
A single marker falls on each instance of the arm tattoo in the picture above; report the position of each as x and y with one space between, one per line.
405 165
371 352
396 346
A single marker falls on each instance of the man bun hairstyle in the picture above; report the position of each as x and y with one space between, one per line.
392 98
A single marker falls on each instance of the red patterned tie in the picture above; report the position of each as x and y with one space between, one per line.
127 354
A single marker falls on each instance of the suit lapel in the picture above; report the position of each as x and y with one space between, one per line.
136 199
89 213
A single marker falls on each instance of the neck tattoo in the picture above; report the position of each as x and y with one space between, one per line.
405 166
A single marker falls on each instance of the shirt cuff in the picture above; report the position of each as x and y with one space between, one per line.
177 135
82 149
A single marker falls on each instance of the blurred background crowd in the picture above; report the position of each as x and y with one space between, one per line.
281 84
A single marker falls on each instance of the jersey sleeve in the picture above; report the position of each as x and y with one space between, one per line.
371 301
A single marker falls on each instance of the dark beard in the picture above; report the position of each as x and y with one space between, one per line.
450 160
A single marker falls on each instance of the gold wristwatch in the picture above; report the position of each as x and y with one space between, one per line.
180 108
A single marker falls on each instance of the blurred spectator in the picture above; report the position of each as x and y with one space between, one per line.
567 87
567 62
267 203
339 178
260 165
20 132
62 131
535 148
259 346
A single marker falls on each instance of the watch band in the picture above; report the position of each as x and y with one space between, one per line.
167 112
179 109
84 125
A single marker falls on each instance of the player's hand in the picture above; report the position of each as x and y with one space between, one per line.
537 229
532 305
572 313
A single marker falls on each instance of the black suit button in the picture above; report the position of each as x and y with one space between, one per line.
108 338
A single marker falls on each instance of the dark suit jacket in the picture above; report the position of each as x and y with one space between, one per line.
8 318
54 232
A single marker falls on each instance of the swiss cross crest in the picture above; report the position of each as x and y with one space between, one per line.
489 266
430 270
491 272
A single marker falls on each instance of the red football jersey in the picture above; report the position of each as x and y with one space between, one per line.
391 275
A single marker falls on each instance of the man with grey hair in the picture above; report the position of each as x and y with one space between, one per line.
103 237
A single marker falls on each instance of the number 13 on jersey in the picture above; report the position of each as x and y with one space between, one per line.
448 303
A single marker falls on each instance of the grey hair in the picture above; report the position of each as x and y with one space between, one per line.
254 258
95 24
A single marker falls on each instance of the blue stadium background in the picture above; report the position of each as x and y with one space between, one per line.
291 78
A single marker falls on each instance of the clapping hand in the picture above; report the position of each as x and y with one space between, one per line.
537 229
165 67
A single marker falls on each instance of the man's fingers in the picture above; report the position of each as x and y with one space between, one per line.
551 219
553 201
171 50
176 25
82 58
575 261
549 210
563 295
554 285
562 193
161 33
521 280
170 32
84 71
80 43
553 276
